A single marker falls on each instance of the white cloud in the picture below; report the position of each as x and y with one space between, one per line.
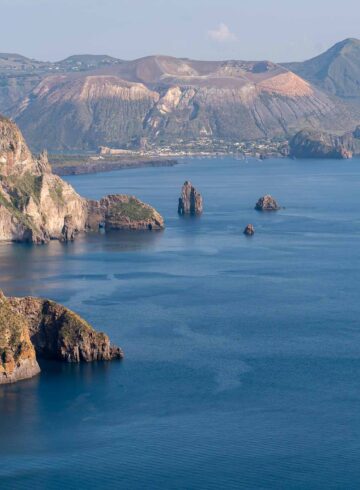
222 34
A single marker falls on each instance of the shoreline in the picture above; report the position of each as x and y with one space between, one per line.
89 167
81 164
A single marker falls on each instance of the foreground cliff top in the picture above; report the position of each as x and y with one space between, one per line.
33 328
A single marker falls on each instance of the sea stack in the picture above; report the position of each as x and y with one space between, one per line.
267 203
249 230
191 201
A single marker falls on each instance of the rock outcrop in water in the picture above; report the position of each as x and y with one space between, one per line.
122 212
38 206
191 201
249 230
32 328
267 203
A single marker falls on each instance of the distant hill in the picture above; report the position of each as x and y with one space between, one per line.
86 101
83 62
336 71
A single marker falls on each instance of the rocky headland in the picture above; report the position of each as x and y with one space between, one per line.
38 206
34 328
310 143
190 201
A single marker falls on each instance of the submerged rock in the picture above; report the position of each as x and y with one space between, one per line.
32 328
190 201
249 230
267 203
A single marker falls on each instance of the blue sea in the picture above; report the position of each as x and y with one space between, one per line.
242 367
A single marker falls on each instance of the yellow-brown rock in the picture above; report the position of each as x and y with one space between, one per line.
38 206
32 328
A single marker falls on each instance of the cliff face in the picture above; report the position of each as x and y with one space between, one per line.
38 206
317 144
35 204
122 212
32 328
17 354
190 201
58 333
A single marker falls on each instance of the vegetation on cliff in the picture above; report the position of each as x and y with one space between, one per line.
38 206
131 209
17 354
33 327
310 143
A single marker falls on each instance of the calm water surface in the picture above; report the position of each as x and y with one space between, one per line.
242 364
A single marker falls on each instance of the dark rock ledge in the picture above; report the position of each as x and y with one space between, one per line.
33 328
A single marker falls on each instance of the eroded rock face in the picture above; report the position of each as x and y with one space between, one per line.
249 230
164 100
122 212
17 353
34 203
38 206
310 143
267 203
32 328
190 201
58 333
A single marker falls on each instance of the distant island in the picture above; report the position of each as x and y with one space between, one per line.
160 106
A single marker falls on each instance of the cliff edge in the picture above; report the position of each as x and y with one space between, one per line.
34 328
38 206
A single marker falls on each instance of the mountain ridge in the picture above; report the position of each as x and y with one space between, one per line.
155 101
337 70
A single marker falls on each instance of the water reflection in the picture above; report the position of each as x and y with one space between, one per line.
25 267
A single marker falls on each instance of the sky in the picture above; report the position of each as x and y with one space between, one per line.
278 30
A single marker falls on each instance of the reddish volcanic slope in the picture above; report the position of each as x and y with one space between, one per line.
161 99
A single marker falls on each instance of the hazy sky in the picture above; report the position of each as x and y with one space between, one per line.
280 30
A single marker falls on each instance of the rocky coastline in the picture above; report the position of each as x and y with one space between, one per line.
35 328
37 206
310 143
81 165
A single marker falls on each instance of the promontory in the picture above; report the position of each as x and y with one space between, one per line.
34 328
38 206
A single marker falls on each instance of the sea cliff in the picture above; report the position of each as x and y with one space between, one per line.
35 328
38 206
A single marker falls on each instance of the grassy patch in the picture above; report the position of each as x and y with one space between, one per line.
73 326
132 210
23 188
22 218
56 194
11 330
